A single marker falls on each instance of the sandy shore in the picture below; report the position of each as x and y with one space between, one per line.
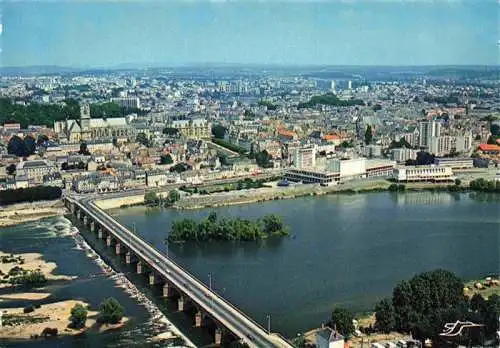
24 296
31 262
53 315
23 212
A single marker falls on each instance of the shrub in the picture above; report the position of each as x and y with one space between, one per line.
28 309
111 311
78 316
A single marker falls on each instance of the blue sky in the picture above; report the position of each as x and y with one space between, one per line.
323 32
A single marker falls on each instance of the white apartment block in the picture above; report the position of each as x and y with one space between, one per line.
441 145
403 154
427 130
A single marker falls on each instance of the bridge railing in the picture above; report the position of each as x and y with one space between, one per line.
190 275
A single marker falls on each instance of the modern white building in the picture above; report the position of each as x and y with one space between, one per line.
463 143
403 154
441 145
430 173
127 102
348 169
304 158
454 163
427 130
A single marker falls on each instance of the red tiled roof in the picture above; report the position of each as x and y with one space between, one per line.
489 147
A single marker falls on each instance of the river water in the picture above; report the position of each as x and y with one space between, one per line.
347 250
58 241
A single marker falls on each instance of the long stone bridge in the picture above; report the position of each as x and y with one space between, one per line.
176 281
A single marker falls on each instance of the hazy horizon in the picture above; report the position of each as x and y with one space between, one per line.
109 34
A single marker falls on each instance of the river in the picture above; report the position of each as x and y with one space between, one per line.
57 240
346 250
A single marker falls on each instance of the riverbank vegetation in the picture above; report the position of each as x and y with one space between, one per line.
245 184
422 305
30 194
213 228
152 198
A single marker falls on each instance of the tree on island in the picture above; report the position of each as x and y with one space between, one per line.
78 316
213 228
342 321
111 312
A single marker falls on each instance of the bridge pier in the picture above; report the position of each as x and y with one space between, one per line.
128 258
73 208
139 267
79 214
181 304
117 248
167 290
218 336
100 233
109 240
198 319
152 278
85 220
92 226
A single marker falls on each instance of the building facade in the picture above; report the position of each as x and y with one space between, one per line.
423 173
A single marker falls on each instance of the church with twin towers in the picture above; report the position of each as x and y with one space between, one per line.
87 128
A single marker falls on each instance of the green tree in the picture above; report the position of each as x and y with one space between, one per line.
142 139
458 182
491 140
223 160
166 159
342 320
29 144
272 224
368 135
11 169
173 196
16 146
84 149
170 131
151 198
111 312
385 320
263 159
219 131
78 316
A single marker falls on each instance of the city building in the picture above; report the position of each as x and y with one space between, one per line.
427 130
304 157
348 169
328 338
454 162
379 168
403 154
87 128
127 102
312 176
430 173
463 143
195 128
441 145
34 171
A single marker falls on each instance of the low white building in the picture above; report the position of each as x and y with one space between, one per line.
328 338
430 173
454 163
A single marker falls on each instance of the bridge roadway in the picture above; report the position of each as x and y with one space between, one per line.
221 310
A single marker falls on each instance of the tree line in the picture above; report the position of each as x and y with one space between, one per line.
30 194
331 100
422 305
47 114
213 228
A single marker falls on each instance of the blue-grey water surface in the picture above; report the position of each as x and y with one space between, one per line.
346 250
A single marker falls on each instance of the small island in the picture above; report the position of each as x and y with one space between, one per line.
237 229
